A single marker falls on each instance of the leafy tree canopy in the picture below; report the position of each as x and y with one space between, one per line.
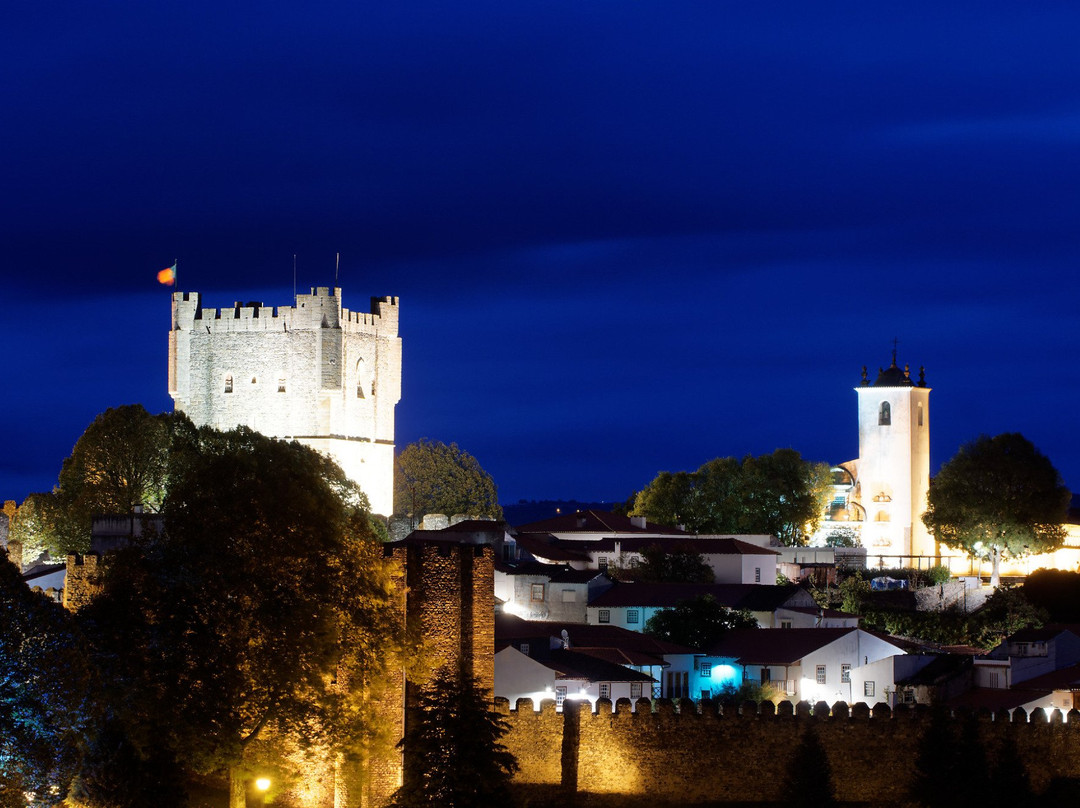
998 496
697 622
779 494
431 477
453 751
264 587
46 695
121 460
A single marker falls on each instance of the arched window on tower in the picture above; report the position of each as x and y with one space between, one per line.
360 374
884 417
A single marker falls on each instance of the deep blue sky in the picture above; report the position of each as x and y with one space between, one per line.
627 236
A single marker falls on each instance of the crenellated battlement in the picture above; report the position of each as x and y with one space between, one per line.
320 309
707 754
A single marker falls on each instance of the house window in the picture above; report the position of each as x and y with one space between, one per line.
785 624
281 385
635 690
632 616
908 696
602 562
524 648
228 384
569 596
868 688
766 675
560 696
605 690
995 679
536 592
605 615
757 575
678 684
821 674
845 674
706 670
884 417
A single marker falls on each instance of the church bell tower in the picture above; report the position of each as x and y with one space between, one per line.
894 464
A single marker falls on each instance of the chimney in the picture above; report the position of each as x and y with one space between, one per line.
638 521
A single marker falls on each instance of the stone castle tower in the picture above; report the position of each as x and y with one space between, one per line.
894 463
314 372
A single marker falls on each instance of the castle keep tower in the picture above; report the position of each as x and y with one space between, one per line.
314 372
894 463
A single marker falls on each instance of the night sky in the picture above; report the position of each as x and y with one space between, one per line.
627 236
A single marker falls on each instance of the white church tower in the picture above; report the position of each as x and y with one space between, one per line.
894 464
314 372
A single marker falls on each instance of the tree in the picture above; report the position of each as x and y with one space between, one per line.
431 477
121 460
697 622
453 751
233 624
842 537
46 695
780 494
34 526
998 496
681 565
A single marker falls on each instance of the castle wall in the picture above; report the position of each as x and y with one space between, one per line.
315 372
714 757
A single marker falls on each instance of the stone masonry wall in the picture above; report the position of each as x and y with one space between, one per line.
696 758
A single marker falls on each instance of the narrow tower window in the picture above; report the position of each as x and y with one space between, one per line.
920 413
228 384
281 385
360 374
884 417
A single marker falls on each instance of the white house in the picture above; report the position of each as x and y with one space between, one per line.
1027 654
807 664
563 675
557 592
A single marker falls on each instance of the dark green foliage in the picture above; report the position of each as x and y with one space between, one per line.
264 584
46 690
998 496
431 477
454 757
808 781
697 622
1056 591
681 565
778 494
116 775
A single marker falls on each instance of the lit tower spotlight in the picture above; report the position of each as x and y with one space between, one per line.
894 466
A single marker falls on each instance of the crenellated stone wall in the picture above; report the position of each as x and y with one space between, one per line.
709 756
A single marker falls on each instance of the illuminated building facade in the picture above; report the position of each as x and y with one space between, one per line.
314 372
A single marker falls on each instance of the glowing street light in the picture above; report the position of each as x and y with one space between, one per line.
263 784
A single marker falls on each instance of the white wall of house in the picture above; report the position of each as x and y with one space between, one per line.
520 677
853 649
789 618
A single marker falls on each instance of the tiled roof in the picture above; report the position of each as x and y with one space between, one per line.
1063 679
941 667
756 597
510 627
544 545
994 698
577 665
556 573
775 646
595 522
713 546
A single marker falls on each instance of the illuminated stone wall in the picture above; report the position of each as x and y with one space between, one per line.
322 374
83 580
695 758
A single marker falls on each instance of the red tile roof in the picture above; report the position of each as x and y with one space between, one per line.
775 646
595 522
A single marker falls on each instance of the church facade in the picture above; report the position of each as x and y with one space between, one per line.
314 372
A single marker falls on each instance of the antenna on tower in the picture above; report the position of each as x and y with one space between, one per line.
337 263
294 278
895 342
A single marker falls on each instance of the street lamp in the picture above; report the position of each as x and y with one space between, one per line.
263 784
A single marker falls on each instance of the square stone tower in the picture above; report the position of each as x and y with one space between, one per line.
314 372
